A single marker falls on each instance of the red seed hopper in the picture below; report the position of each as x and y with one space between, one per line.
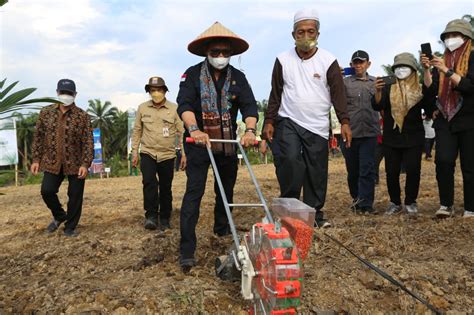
268 259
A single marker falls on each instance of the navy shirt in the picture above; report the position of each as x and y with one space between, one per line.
240 95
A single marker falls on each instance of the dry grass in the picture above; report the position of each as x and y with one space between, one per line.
115 266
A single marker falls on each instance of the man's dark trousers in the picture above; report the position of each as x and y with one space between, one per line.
360 165
152 199
75 192
303 163
197 167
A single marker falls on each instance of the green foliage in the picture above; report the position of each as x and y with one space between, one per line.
102 115
118 166
29 179
262 106
3 2
25 128
7 178
16 101
117 142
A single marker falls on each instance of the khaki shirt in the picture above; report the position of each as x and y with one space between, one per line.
156 130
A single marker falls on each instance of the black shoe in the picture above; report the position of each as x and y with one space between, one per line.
322 223
53 226
187 265
70 233
165 225
151 224
368 210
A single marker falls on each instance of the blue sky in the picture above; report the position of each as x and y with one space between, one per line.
111 47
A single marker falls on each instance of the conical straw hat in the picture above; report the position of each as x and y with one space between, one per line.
217 30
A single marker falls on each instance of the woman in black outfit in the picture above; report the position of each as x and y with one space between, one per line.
452 80
404 135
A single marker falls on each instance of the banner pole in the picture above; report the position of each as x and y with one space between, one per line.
16 175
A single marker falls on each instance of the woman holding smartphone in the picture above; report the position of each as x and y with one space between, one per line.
452 80
404 135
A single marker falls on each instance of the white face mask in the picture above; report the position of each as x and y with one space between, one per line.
453 43
402 72
219 62
66 99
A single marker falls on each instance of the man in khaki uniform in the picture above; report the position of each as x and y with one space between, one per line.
157 125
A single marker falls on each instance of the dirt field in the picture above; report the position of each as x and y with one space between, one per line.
115 266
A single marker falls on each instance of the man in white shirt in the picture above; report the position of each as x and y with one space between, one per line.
306 82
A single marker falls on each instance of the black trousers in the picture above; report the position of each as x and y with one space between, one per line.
75 192
411 160
447 147
196 171
428 146
360 165
303 164
152 198
378 160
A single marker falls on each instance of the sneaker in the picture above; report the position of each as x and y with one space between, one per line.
322 224
150 224
468 214
70 233
368 210
53 226
393 209
412 209
444 212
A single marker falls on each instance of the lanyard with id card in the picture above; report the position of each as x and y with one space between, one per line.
166 129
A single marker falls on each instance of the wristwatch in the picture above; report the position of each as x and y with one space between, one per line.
252 130
449 73
193 128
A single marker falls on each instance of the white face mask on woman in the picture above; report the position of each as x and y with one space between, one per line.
66 99
453 43
218 62
402 72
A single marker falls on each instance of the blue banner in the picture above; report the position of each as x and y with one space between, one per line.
97 166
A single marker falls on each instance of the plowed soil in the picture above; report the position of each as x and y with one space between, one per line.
116 266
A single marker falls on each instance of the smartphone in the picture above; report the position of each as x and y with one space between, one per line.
390 79
348 71
426 49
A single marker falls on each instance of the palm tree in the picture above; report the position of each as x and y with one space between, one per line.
102 117
16 101
117 142
25 128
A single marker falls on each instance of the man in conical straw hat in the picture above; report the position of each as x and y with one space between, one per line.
306 82
210 94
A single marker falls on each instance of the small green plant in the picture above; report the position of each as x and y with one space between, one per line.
118 167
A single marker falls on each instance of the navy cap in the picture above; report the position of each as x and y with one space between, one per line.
361 55
66 85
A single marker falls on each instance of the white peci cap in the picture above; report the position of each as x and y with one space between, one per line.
306 14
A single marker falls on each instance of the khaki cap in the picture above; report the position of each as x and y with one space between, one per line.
405 59
458 26
155 82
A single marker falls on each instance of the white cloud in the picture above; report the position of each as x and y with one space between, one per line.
51 19
103 48
126 100
111 48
